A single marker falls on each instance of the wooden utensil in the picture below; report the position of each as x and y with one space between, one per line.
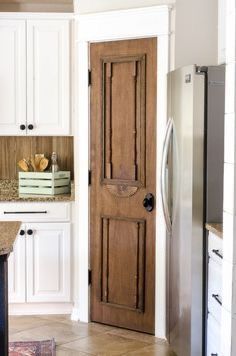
32 162
23 165
43 164
37 159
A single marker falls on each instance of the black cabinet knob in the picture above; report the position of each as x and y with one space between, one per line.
22 127
22 232
30 127
29 232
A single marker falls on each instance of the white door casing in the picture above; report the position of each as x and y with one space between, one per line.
117 25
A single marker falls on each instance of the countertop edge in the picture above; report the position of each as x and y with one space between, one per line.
8 234
215 228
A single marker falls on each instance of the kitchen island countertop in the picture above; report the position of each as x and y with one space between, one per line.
8 234
215 228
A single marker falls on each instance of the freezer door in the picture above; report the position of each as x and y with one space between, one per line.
186 203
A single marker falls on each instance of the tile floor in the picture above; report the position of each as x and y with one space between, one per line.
83 339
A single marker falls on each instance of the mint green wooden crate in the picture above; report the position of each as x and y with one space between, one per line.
44 183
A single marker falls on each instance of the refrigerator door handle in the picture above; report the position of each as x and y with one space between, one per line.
166 144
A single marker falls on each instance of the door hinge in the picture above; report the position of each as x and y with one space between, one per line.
89 277
89 177
89 77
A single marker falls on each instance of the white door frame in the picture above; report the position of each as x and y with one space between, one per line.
107 26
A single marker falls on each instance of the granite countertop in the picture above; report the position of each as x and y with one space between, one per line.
215 228
9 193
8 234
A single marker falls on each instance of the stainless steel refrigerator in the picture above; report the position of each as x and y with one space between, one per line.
192 193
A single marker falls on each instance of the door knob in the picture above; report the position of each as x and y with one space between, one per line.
22 127
22 232
29 232
148 202
30 127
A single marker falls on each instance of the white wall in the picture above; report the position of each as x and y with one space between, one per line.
196 33
193 26
228 325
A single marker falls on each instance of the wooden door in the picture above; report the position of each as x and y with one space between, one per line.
48 262
12 77
48 77
123 156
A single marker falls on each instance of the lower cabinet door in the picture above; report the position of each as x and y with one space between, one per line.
16 270
213 336
48 262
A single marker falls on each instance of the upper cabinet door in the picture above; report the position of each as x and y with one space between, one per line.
12 77
48 77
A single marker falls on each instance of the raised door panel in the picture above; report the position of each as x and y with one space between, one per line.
12 77
48 77
124 120
48 263
123 257
16 271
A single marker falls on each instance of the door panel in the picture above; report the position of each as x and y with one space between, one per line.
124 87
123 253
123 164
48 262
13 77
16 271
48 77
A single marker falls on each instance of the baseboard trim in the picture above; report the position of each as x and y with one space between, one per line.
40 308
75 314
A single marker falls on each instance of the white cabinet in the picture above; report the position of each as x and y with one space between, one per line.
12 76
215 253
35 77
213 337
40 264
48 72
48 262
16 270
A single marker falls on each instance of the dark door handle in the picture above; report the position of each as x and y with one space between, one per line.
148 202
29 232
30 127
217 253
217 298
22 127
22 232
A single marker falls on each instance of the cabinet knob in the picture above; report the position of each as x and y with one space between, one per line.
22 232
30 127
22 127
29 232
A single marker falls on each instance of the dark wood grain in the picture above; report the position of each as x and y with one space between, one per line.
123 156
14 148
